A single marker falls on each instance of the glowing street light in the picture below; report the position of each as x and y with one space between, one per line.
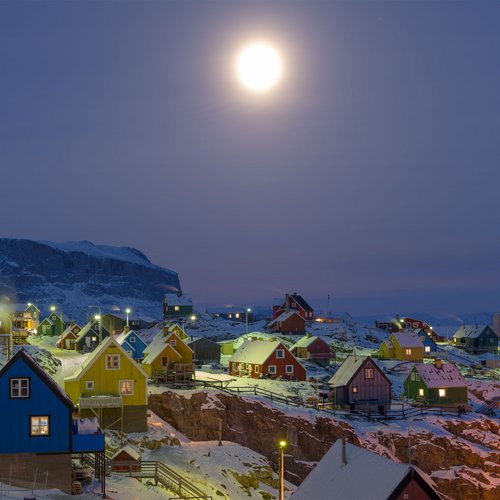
127 312
98 317
52 308
282 445
247 311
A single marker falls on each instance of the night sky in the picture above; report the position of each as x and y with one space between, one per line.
371 172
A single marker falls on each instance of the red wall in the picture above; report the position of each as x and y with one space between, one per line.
414 492
299 371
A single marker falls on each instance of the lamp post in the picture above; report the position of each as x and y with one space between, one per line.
99 318
246 321
282 444
127 312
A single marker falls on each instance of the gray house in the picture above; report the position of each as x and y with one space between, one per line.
476 339
205 351
360 384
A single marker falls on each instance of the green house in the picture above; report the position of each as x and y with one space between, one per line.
177 305
90 336
437 384
53 324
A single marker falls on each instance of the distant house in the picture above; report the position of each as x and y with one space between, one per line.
88 338
40 435
54 324
297 303
112 385
175 328
205 351
169 357
132 343
5 320
430 347
25 316
350 472
312 348
398 324
405 346
226 346
360 384
438 384
288 322
176 305
476 339
68 337
265 358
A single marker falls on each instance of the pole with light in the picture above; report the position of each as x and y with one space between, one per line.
99 318
247 311
282 444
127 312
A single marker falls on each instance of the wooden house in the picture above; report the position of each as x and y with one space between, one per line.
5 320
68 337
111 386
288 322
350 472
54 324
169 358
89 336
177 329
297 303
25 316
476 339
405 346
177 305
38 426
205 351
436 384
398 324
430 347
226 347
360 384
265 358
132 343
125 459
312 348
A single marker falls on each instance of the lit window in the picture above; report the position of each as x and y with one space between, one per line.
256 368
427 348
369 373
442 393
39 426
272 369
127 387
420 392
289 368
19 388
112 361
89 385
237 315
355 390
132 340
280 353
234 366
177 308
408 352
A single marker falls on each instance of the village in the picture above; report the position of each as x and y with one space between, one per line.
84 391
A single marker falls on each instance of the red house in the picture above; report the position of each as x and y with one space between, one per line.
296 303
409 324
288 322
312 348
264 358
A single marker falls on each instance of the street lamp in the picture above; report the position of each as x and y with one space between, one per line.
127 312
246 322
99 318
282 444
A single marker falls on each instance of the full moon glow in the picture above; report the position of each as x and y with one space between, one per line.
259 67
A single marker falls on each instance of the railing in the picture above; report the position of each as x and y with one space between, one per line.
101 402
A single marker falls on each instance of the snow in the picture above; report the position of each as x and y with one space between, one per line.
408 339
255 351
446 376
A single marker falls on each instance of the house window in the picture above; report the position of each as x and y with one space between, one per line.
427 348
112 361
173 342
132 340
89 385
256 368
289 368
408 352
19 388
177 308
420 392
129 353
415 377
354 390
234 366
280 353
272 369
369 373
237 315
127 387
442 393
39 426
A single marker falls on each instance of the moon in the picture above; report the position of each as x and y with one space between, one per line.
259 67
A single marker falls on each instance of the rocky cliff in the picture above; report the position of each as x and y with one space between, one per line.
461 456
73 275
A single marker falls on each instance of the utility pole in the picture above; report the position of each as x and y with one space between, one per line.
282 469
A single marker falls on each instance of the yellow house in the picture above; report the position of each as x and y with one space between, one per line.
227 347
168 355
175 328
405 346
111 386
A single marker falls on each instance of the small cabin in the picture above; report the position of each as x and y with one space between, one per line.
313 349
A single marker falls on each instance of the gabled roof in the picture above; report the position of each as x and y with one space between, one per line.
94 356
47 320
435 378
471 331
306 341
87 328
408 339
284 316
365 476
255 351
349 368
302 303
43 375
69 330
134 454
157 346
124 336
193 340
173 299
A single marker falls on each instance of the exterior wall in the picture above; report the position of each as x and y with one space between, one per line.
16 413
205 350
21 467
239 369
413 491
227 348
135 418
417 353
386 352
319 350
294 324
169 312
299 371
107 381
370 392
156 364
81 343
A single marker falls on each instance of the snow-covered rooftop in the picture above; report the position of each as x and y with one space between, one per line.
346 371
254 351
284 316
305 341
408 339
173 299
470 331
445 376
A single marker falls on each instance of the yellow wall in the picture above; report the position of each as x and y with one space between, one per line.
385 351
107 381
417 353
180 353
227 348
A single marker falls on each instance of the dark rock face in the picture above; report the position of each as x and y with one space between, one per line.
77 274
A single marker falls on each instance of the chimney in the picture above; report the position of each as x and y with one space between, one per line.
287 301
344 454
438 363
126 329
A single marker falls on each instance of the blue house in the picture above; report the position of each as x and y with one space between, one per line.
39 434
429 345
133 344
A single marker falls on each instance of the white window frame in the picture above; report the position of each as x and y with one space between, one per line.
427 348
38 425
272 369
177 308
256 369
120 387
132 340
18 392
289 369
89 385
111 366
173 342
280 351
369 373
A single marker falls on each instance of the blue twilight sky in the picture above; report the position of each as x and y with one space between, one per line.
372 172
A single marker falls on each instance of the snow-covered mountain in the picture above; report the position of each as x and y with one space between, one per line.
74 275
